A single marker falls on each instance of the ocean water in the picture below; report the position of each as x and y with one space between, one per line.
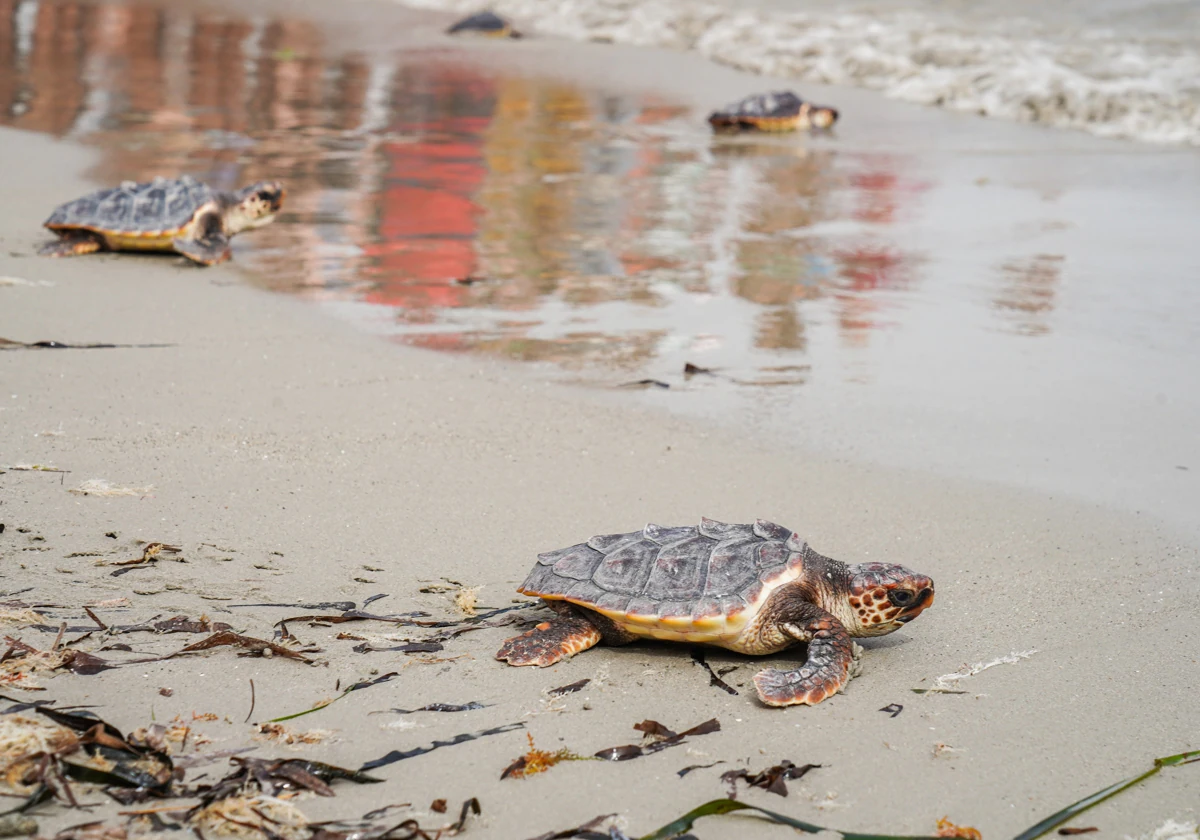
1115 68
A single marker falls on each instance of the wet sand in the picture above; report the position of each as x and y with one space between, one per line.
323 464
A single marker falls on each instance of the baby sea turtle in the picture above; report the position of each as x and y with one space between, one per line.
484 23
753 589
180 214
779 110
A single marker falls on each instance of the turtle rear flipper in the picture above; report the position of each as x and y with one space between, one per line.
831 656
213 248
71 244
559 638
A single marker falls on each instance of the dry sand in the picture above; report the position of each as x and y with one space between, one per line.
296 460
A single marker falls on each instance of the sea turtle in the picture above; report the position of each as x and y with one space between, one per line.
779 110
178 214
484 23
753 589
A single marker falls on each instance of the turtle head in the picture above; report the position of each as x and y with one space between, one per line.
823 117
255 206
883 597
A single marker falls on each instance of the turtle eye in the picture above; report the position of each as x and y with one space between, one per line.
901 597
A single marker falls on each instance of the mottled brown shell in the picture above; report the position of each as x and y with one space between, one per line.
697 572
160 206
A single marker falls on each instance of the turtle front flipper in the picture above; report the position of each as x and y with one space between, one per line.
72 244
831 656
558 638
210 249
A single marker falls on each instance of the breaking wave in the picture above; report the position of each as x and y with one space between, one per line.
1098 80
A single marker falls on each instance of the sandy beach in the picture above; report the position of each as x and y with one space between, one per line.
297 459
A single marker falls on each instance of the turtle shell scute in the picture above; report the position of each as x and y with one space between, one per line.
712 570
149 207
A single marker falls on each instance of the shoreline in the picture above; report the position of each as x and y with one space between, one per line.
327 465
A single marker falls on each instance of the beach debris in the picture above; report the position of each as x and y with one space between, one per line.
690 369
38 756
657 738
773 779
645 383
149 554
539 761
184 624
252 646
691 767
466 599
436 707
20 662
438 806
17 612
1071 811
9 344
358 686
278 733
274 776
683 824
590 829
893 709
488 24
250 817
17 825
568 689
945 828
103 487
941 750
408 647
1070 832
400 755
948 683
33 468
713 678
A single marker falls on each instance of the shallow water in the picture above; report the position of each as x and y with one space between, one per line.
1115 68
1015 310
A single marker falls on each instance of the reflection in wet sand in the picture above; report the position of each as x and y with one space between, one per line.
1028 291
603 229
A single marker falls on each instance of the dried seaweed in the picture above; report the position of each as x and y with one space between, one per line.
437 707
184 624
9 344
539 761
273 776
692 767
568 689
773 779
645 383
589 830
409 647
713 678
356 687
893 709
254 647
945 828
1068 832
400 755
690 370
658 737
724 806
